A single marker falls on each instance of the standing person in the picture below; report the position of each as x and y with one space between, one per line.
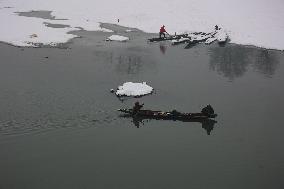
162 31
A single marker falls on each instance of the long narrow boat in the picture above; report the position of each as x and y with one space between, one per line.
205 119
170 115
173 37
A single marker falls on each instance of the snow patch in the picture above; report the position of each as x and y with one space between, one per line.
182 39
104 30
134 89
198 37
221 35
29 31
210 40
117 38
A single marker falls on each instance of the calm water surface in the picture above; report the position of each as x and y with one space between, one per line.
59 127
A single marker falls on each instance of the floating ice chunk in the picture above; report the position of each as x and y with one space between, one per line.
134 89
117 38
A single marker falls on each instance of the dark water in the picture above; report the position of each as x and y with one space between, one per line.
39 14
59 127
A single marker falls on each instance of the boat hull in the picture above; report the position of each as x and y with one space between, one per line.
205 120
167 115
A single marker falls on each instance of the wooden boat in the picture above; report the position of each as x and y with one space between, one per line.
171 115
173 37
206 122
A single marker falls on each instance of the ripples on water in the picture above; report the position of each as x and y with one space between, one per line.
45 124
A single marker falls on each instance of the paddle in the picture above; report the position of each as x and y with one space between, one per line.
168 34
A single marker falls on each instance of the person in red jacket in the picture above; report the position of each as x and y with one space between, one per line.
162 31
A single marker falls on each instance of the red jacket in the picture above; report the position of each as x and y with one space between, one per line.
162 29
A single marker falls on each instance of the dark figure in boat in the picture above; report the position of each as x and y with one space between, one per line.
162 31
137 107
175 113
208 110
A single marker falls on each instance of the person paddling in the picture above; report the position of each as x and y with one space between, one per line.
208 110
163 31
136 108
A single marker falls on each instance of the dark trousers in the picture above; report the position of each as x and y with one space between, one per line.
162 33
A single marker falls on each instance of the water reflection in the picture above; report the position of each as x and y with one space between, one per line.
207 124
234 61
131 64
163 48
266 62
191 44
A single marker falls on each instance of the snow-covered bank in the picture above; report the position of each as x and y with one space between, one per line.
23 31
249 22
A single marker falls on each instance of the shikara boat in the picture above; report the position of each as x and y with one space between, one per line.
206 120
171 115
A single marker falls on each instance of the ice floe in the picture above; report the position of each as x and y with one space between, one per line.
117 38
134 89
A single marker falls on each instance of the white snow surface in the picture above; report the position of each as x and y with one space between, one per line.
210 40
134 89
117 38
221 35
200 37
179 40
249 22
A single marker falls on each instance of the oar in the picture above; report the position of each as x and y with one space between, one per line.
169 34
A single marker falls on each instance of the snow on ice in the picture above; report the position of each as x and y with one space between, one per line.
117 38
199 37
221 35
134 89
